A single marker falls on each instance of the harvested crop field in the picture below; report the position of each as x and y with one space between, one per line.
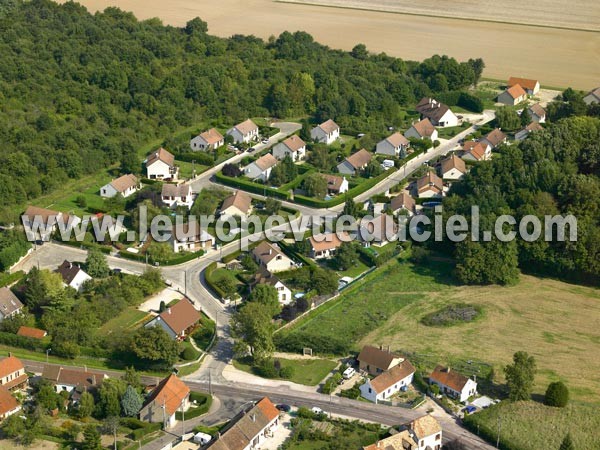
557 57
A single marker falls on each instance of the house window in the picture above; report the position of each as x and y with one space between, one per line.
370 391
438 437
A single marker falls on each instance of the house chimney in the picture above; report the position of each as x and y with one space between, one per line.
70 265
253 417
9 354
168 310
389 349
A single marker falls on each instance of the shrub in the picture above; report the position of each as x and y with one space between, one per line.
451 315
189 354
267 369
139 433
286 372
557 395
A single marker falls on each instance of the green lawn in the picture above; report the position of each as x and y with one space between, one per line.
186 169
352 272
450 132
127 319
309 372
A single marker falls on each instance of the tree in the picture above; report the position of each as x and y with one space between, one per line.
153 344
520 376
567 443
86 405
315 185
557 394
228 285
320 157
96 264
477 65
132 378
109 398
272 206
346 256
350 208
525 117
266 295
231 170
131 402
91 438
323 281
253 329
507 118
249 264
47 397
305 131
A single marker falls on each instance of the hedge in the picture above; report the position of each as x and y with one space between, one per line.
87 245
169 262
382 256
15 340
204 400
139 433
290 251
211 283
250 186
228 258
10 278
204 159
298 340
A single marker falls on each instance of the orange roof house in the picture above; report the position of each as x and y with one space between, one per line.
171 395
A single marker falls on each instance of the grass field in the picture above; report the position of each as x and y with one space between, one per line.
127 319
309 372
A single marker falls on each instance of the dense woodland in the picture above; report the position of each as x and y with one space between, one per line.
82 92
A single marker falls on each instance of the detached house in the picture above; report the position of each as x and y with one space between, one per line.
12 373
354 163
538 114
403 202
72 380
72 275
46 221
327 133
452 383
208 140
453 168
294 147
430 185
513 95
238 204
249 429
244 132
171 395
270 257
394 145
424 433
124 186
524 133
190 237
261 168
8 404
284 294
439 114
160 165
592 97
336 185
423 129
388 383
10 305
476 151
494 138
325 245
177 320
532 87
173 195
376 360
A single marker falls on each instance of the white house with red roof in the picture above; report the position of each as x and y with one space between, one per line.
125 186
12 373
327 132
423 129
453 383
160 165
294 147
388 383
394 145
245 131
171 395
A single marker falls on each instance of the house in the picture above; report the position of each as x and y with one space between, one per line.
244 132
30 332
394 145
452 383
270 257
378 231
8 404
388 383
430 185
208 140
423 433
355 163
439 114
261 168
476 151
174 195
72 379
238 204
532 87
10 305
538 114
160 165
43 222
190 237
177 320
376 360
494 138
294 147
403 202
592 97
284 294
423 129
336 185
325 245
326 133
168 397
249 429
452 168
524 133
124 185
72 275
12 373
513 95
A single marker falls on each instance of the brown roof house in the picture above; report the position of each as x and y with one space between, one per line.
453 168
250 429
238 204
538 113
336 185
532 87
12 373
174 195
10 305
40 223
190 237
325 245
270 257
30 332
327 133
394 145
8 404
525 132
424 433
72 380
294 147
354 163
376 360
430 185
592 97
403 202
244 132
207 140
476 151
513 95
124 186
439 114
388 383
171 395
72 275
452 383
177 320
160 165
421 130
494 138
261 168
378 230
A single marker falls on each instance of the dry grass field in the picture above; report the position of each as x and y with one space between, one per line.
558 57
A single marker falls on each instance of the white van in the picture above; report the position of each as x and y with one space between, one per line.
202 438
349 373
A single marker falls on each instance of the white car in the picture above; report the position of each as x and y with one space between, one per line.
265 141
317 410
349 373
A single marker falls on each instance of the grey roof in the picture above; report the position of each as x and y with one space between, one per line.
9 303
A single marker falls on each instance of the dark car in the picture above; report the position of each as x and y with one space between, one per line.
469 409
251 149
284 408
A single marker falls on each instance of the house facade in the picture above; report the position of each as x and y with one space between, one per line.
173 195
261 168
190 237
207 141
423 129
537 113
355 163
439 114
388 383
284 294
8 404
327 133
238 204
72 379
244 132
294 147
452 383
394 145
177 320
10 305
423 433
270 257
171 395
429 186
453 168
513 95
12 373
336 185
376 360
125 186
323 246
160 165
72 275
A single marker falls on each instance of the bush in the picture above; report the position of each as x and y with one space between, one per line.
139 433
267 369
189 354
451 315
295 342
557 395
203 403
286 372
10 278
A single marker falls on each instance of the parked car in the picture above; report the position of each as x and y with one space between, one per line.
469 409
317 410
251 149
264 141
284 408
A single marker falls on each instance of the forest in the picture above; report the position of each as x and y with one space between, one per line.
80 92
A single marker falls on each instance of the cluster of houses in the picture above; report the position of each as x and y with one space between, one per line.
423 433
270 260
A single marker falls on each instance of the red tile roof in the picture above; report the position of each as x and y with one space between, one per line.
161 155
30 332
181 316
449 377
169 393
516 91
390 377
424 127
211 136
524 82
7 402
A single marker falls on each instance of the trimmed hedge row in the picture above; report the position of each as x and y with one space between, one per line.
204 400
250 186
169 262
381 258
27 343
208 272
139 433
87 245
